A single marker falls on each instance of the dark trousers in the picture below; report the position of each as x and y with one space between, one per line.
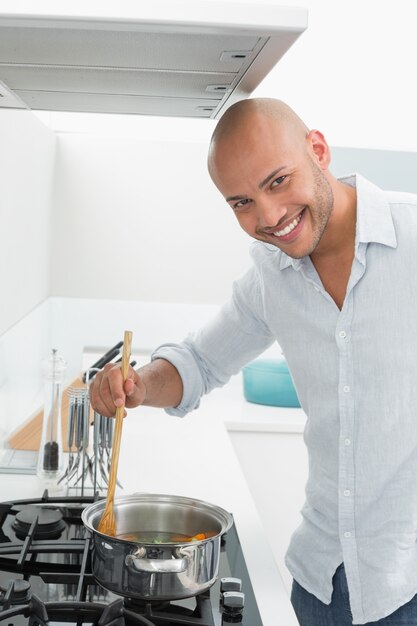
312 612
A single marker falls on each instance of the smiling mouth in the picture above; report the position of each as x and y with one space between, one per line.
284 232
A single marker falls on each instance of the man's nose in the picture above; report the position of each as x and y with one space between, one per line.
270 212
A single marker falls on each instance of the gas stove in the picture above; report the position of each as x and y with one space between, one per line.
45 576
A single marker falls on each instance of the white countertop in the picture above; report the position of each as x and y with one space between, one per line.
193 457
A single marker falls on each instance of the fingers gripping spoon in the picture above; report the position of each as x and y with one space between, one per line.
107 524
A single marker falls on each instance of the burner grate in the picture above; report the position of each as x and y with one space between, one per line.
201 615
41 614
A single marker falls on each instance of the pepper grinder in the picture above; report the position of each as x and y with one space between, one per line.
50 458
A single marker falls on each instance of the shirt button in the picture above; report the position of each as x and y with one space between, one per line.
346 492
347 534
342 334
347 442
346 388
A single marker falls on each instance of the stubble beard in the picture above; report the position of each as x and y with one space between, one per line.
320 210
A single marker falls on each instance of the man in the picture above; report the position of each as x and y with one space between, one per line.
333 282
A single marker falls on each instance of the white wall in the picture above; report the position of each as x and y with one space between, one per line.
350 74
22 348
139 219
26 169
93 325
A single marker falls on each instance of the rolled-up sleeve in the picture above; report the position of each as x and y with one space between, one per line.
209 357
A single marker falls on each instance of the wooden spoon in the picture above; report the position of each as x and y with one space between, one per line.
107 524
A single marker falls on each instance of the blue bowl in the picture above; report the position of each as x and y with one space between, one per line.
268 381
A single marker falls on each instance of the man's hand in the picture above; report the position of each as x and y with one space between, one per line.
107 391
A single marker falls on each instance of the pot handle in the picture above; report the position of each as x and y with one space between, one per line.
153 566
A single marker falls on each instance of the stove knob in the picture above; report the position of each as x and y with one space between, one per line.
230 584
233 601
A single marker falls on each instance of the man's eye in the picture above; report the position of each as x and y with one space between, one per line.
278 181
241 203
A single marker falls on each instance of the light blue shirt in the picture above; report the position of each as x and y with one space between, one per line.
356 378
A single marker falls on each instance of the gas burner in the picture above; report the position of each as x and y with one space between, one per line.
49 525
15 592
170 613
88 613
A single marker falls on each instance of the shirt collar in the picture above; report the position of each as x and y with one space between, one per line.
373 218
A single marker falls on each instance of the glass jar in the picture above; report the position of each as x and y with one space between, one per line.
50 460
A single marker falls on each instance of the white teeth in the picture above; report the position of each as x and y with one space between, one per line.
289 228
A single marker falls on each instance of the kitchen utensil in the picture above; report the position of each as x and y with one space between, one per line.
72 458
101 461
79 462
107 524
268 381
102 361
163 571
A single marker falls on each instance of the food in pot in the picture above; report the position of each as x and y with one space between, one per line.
163 537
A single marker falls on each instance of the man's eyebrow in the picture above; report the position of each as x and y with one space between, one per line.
271 175
235 198
262 184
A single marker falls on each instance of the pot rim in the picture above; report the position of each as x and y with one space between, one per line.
223 517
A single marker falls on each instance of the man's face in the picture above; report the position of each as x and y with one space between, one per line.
275 185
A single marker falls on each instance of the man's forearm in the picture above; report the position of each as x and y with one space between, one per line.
163 384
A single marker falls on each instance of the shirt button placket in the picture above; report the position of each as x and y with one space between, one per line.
346 476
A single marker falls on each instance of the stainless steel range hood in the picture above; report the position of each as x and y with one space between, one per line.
166 58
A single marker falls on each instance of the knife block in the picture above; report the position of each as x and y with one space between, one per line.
28 435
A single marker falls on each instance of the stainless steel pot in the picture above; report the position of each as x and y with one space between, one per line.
163 571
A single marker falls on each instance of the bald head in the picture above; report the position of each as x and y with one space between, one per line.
241 115
273 173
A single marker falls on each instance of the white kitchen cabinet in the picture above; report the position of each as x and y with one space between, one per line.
275 466
269 445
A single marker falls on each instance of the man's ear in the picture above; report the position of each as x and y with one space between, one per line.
319 148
